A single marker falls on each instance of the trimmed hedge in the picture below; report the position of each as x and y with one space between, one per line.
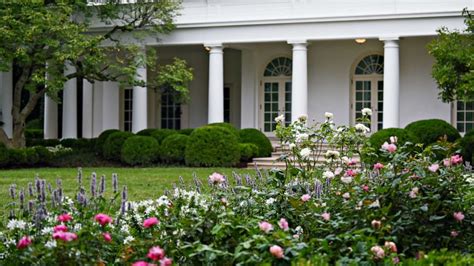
229 126
4 156
139 150
42 142
161 134
248 151
467 147
212 146
378 138
173 148
255 136
99 145
186 131
431 130
113 145
146 132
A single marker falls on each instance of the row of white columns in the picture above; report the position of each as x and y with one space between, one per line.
299 103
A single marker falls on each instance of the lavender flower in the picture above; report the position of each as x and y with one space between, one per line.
59 183
43 190
123 207
124 193
22 198
115 182
13 191
102 185
30 189
50 188
93 184
31 205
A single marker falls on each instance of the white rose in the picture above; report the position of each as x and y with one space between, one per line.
292 146
346 179
366 112
328 174
362 128
305 152
301 137
280 119
332 154
328 115
303 118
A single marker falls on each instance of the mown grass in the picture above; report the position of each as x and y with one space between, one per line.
142 183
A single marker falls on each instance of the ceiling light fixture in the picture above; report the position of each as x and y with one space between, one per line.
360 40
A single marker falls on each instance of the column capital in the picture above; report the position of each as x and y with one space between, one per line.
298 42
389 39
214 47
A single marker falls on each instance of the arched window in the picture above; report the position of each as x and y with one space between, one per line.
372 64
280 66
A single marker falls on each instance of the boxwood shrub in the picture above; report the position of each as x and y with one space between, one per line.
102 138
186 131
229 126
248 151
378 138
255 136
140 150
146 132
4 156
173 148
212 146
113 145
431 130
161 134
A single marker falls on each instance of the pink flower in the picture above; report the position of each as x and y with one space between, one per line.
166 262
458 216
283 223
107 237
396 260
65 236
216 178
378 166
433 168
156 253
456 159
305 197
351 172
150 222
140 263
60 228
391 246
378 252
265 226
65 217
103 219
365 188
24 242
376 224
447 162
391 148
326 216
276 251
454 233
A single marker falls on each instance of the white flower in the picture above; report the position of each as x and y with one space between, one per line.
301 137
328 174
328 115
362 128
338 170
303 118
280 119
292 146
346 179
77 227
393 139
128 239
366 112
270 201
50 244
332 154
375 204
14 223
47 231
346 195
305 153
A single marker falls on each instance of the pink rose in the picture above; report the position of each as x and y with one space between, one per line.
283 223
305 197
265 226
378 252
24 242
60 228
433 168
346 196
391 148
156 253
107 237
456 159
376 224
140 263
365 188
65 236
378 166
326 216
458 216
103 219
166 262
447 162
454 233
351 172
391 246
216 178
65 217
150 222
276 251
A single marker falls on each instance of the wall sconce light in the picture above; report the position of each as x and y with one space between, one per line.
360 40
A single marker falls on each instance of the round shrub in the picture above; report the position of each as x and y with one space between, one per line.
17 156
431 130
229 126
378 138
467 147
248 151
4 155
146 132
212 146
173 148
31 156
186 131
255 136
161 134
140 150
113 145
99 145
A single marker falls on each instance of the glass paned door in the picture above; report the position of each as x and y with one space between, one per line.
368 93
276 101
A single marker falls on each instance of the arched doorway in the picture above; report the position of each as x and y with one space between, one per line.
367 90
275 93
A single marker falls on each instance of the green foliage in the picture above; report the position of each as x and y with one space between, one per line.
80 144
146 132
186 131
140 150
229 126
173 148
248 151
431 130
42 142
34 133
378 138
102 138
212 146
161 134
255 136
17 157
454 66
175 76
113 145
4 156
467 147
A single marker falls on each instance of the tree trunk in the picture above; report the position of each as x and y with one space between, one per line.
4 138
18 138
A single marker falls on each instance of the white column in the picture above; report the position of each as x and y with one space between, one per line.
299 92
391 83
216 83
50 118
70 106
140 106
6 96
97 125
87 109
110 105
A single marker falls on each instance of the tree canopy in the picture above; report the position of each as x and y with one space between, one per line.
44 38
454 66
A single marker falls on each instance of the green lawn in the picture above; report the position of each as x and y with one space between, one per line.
142 183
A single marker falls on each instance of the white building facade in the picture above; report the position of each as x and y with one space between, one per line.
256 59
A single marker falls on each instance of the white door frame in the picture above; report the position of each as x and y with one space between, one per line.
281 99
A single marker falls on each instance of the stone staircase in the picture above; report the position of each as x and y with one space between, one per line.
278 151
